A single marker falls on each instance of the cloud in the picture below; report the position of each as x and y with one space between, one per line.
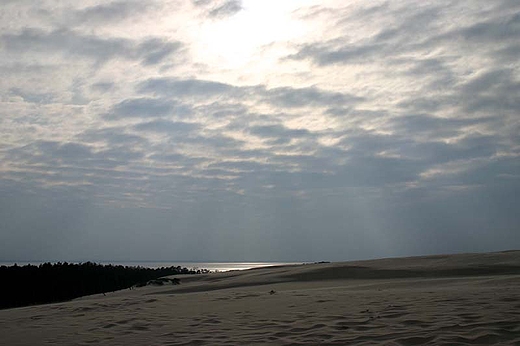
113 11
102 86
155 50
300 97
286 97
416 30
270 131
434 127
326 55
52 152
188 87
32 97
72 155
113 135
227 9
141 107
149 51
493 90
216 9
166 126
400 34
500 30
200 2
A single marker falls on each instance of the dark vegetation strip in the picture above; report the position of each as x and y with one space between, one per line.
49 283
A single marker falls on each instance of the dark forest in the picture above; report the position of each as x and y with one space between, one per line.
49 283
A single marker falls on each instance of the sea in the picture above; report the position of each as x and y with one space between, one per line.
211 266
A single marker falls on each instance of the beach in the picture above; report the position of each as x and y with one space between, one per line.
466 299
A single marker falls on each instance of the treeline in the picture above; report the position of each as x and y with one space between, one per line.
48 283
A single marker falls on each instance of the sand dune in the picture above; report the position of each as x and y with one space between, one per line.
470 299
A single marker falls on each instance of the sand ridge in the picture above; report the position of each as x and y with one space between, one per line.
471 299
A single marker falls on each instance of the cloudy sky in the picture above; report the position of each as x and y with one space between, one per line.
258 130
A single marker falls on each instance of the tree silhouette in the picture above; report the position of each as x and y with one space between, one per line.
47 283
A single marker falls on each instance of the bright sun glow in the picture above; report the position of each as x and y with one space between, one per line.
233 42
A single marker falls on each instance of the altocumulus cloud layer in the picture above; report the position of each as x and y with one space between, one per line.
258 130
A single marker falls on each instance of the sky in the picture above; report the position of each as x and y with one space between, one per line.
227 130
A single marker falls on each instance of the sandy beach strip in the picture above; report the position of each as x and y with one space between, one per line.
470 299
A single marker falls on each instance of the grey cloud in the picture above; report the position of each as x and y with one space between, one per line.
436 73
488 81
243 166
158 155
141 108
219 110
216 140
329 168
201 2
52 152
507 54
155 50
429 150
489 89
182 133
68 151
432 153
435 126
65 41
487 174
493 91
411 25
112 135
360 172
300 97
33 97
270 131
119 155
320 161
428 66
227 9
283 97
102 86
379 171
494 30
427 104
337 111
365 143
398 36
368 12
499 172
326 55
69 157
219 9
149 51
246 154
172 127
188 87
218 173
113 11
419 30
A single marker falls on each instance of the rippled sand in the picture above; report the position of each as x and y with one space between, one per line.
469 299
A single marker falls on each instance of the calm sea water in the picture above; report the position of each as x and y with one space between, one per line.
212 266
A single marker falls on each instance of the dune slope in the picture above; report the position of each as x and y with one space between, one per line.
470 299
